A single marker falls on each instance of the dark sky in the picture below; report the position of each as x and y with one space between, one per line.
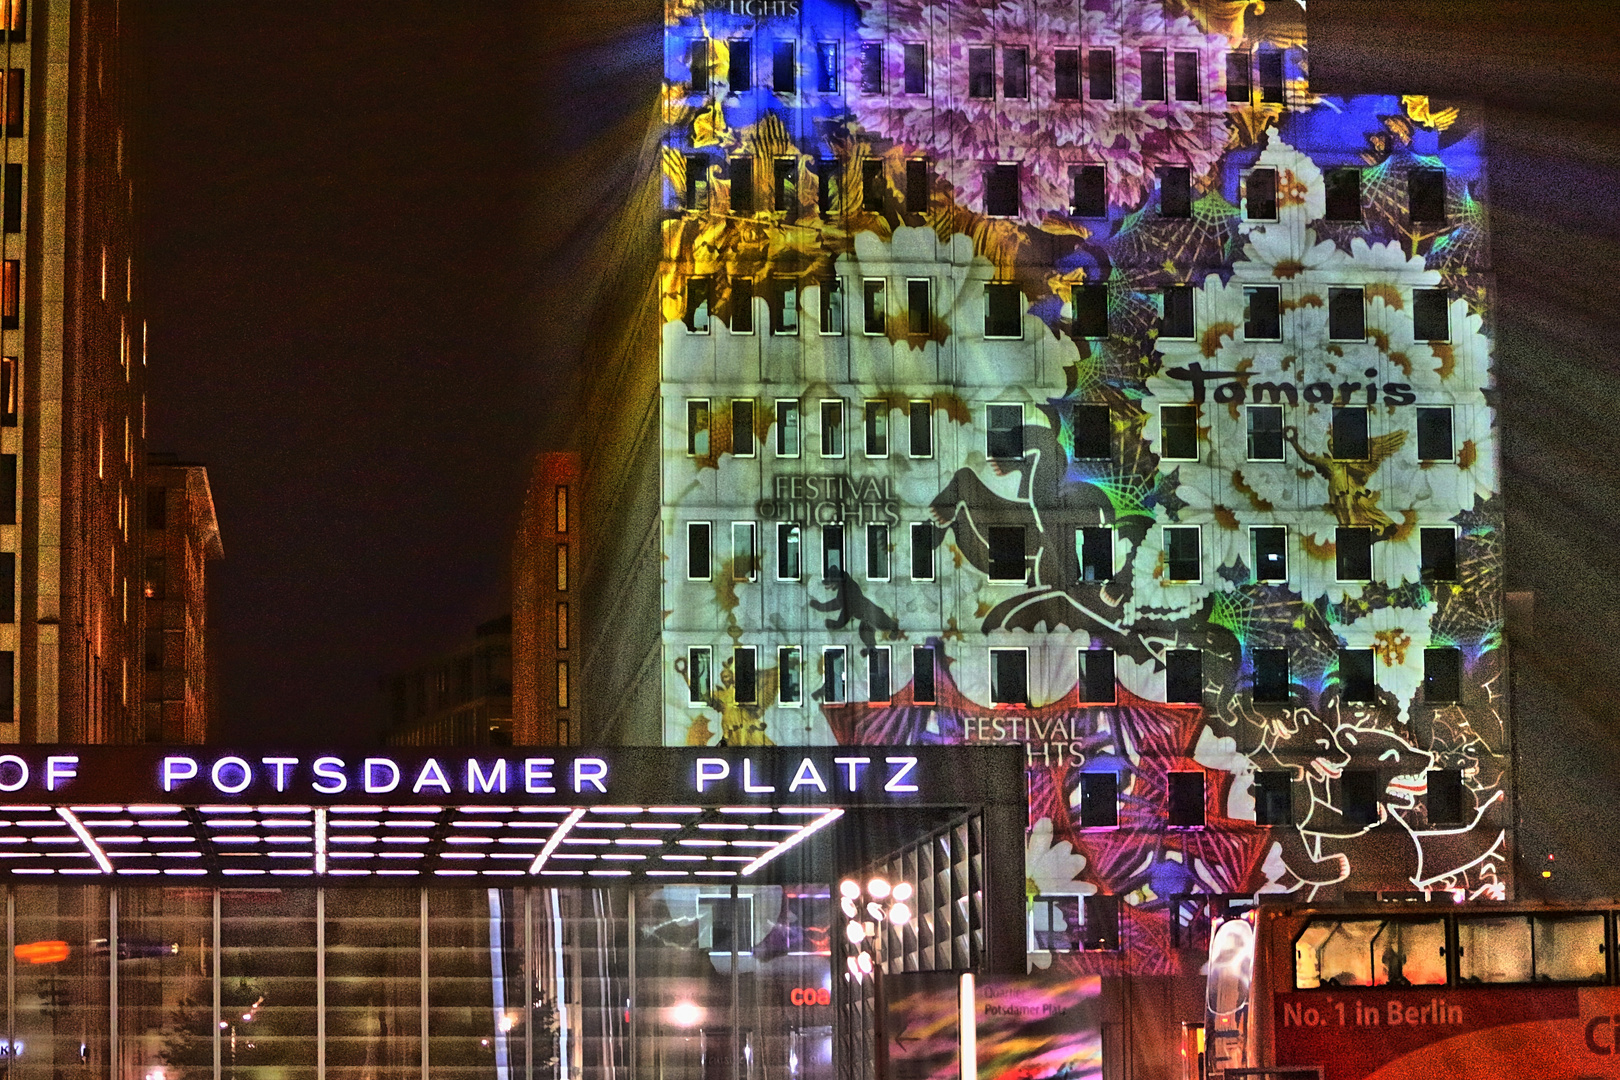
367 221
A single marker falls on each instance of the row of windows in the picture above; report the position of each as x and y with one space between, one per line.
1164 74
1008 552
1270 682
1090 428
1425 189
1087 310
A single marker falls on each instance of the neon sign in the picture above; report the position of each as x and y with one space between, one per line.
235 775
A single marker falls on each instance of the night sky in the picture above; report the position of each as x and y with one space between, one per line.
368 221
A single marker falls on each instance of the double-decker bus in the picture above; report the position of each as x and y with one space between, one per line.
1414 991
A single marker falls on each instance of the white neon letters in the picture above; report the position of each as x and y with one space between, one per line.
374 786
852 775
330 769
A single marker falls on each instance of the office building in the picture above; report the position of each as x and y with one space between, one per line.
181 537
545 610
463 698
1070 375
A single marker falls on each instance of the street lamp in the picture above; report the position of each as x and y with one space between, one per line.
866 909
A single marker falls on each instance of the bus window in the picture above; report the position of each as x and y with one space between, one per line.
1410 954
1496 950
1335 952
1570 948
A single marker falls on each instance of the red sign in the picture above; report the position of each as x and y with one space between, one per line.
42 952
1461 1033
810 995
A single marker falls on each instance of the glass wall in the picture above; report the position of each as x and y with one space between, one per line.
684 982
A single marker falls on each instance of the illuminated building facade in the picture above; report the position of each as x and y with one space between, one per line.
546 631
182 536
1068 375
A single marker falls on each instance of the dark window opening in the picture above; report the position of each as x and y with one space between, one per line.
1091 311
1356 683
1262 313
1352 553
1343 192
1006 546
1097 680
1099 800
1009 677
872 186
1442 676
919 318
1100 928
787 185
1153 77
742 428
916 69
1426 196
1090 192
697 550
1347 315
10 390
877 675
1186 800
875 316
1359 789
1439 554
1186 69
1349 434
1014 72
1273 798
1260 195
8 489
1004 439
1178 432
740 66
1003 317
1271 675
1443 802
922 674
13 198
1184 677
917 186
1001 191
1093 431
1239 88
784 68
1178 313
742 306
742 185
1431 315
1270 64
921 434
697 59
827 67
1434 438
1270 552
1066 74
1175 192
871 69
1265 424
923 538
1100 74
1096 554
1181 553
981 73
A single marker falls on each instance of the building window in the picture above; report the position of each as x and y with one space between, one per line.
1270 63
981 73
1090 192
784 68
1270 675
155 582
1343 188
875 320
1239 89
829 186
1356 682
920 416
562 567
742 185
1260 195
1003 310
1439 553
1099 800
832 429
1265 432
789 676
697 427
922 550
1178 432
8 587
832 552
14 103
1097 683
1093 432
745 675
1431 315
742 428
1184 677
1015 72
153 650
919 317
697 59
1096 543
1262 314
1004 439
10 294
1178 313
1443 800
699 292
1442 676
562 624
1009 677
561 497
784 307
917 185
10 392
1175 192
1347 315
787 551
1001 190
740 65
698 546
1066 74
871 69
1273 798
787 428
832 306
915 68
1007 553
1182 556
872 186
1434 438
922 674
562 684
1186 800
1153 80
876 427
785 190
743 562
877 674
13 12
1187 88
1100 74
1358 790
1352 553
834 675
827 67
1349 434
877 553
742 306
1426 196
8 686
1090 310
1270 544
13 198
